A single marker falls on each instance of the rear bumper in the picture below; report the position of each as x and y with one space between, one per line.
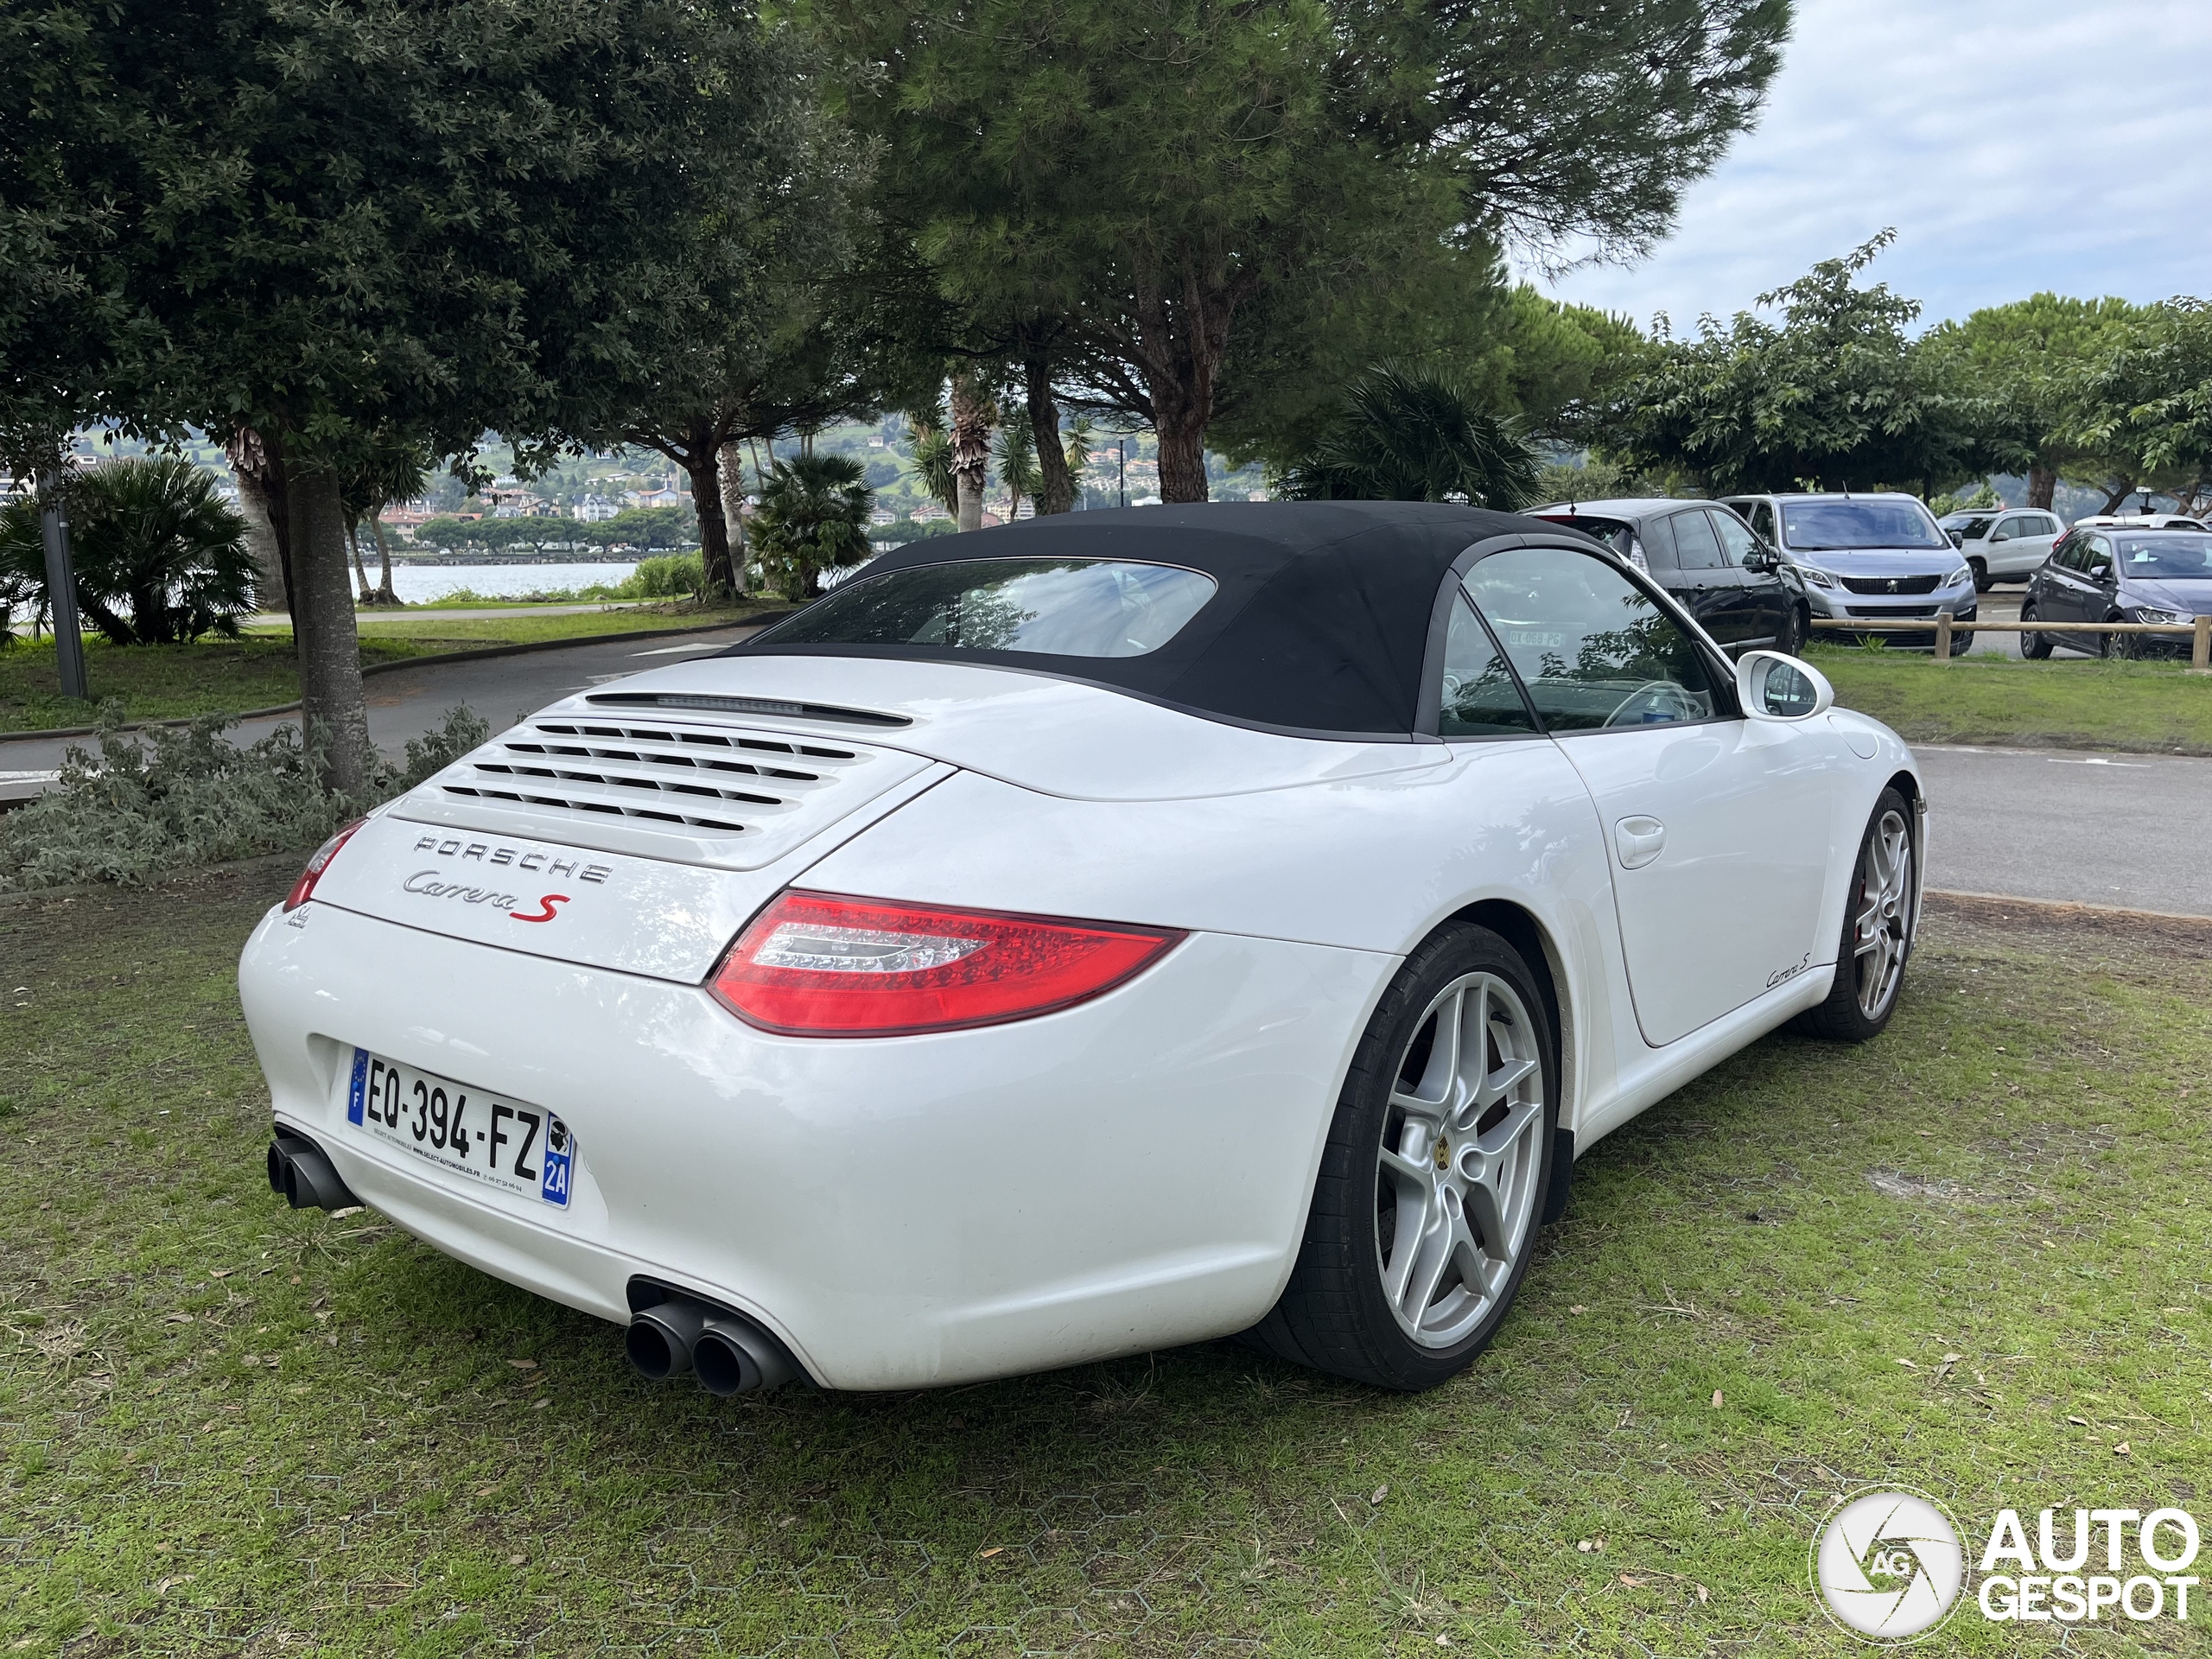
902 1212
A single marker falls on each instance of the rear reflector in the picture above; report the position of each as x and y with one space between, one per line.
817 964
303 889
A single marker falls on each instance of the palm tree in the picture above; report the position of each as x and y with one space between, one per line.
1416 434
398 471
933 455
813 516
1080 432
974 414
1017 457
160 556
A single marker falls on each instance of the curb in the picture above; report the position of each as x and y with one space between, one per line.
2070 906
757 619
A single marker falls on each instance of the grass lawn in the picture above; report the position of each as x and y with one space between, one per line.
1970 1258
2067 702
257 671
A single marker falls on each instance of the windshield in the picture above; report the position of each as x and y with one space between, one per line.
1972 525
1841 527
1612 532
1053 608
2174 555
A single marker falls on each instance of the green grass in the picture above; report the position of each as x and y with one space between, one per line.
1972 1252
257 671
2062 703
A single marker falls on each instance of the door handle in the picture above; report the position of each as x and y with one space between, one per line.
1639 839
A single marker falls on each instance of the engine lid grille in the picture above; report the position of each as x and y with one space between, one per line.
699 793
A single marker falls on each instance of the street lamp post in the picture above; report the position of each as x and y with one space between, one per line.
1121 471
62 588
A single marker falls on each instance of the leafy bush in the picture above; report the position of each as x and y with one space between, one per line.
1416 435
155 802
683 576
160 556
813 517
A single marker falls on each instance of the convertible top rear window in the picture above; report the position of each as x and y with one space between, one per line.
1054 607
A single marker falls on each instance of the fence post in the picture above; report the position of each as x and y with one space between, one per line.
2200 656
1942 636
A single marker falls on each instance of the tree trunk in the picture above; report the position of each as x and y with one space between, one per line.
702 466
1182 460
1056 494
2116 496
332 707
385 595
269 590
971 447
2042 485
360 570
732 458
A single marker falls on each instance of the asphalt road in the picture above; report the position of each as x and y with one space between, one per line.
2126 830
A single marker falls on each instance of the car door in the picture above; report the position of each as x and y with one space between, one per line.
2057 589
1761 602
2099 595
1706 587
1720 829
2039 531
2013 548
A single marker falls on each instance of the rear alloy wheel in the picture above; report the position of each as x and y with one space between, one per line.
1434 1175
1877 924
2035 647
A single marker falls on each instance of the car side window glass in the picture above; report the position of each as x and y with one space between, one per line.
1696 548
1658 540
1595 651
1737 543
2005 531
1480 698
1762 519
2097 557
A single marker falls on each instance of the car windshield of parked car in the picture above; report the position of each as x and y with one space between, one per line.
2170 556
1972 525
1052 607
1841 527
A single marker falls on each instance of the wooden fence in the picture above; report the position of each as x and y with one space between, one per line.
1943 626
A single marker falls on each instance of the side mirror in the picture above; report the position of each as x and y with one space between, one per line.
1772 686
1958 537
1762 562
2100 571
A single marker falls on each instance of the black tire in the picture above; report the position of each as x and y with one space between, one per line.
1796 628
1983 581
1335 1314
1961 643
2035 647
1852 1012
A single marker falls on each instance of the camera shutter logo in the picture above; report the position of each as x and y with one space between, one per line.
1889 1565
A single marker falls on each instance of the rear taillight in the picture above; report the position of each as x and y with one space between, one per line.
817 964
303 889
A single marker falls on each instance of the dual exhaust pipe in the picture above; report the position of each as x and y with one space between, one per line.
301 1173
725 1351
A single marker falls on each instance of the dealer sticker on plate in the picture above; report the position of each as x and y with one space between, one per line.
523 1149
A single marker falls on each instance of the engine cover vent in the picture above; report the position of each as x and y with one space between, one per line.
696 793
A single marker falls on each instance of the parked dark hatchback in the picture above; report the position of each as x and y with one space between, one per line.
1736 586
2108 573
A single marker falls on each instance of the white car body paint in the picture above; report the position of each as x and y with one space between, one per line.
1121 1175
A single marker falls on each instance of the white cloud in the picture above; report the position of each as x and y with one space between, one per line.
2016 145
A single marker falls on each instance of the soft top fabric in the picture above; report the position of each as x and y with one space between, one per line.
1320 624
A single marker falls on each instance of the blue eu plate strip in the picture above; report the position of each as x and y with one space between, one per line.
358 1091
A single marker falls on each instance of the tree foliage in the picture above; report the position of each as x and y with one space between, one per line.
1177 199
1416 435
813 517
1835 395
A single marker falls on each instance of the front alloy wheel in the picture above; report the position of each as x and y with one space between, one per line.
1436 1170
1877 924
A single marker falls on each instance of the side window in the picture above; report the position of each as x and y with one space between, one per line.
1763 521
1591 646
1696 548
1658 540
1737 543
1480 699
2096 555
2005 531
2067 553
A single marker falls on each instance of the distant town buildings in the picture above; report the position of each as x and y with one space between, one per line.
595 510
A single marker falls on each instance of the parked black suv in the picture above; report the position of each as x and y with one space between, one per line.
1733 583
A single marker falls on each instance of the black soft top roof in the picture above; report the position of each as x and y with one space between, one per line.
1320 622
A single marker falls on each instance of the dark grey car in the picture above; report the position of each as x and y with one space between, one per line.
1737 587
2112 574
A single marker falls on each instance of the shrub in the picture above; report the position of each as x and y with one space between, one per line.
155 802
681 575
813 517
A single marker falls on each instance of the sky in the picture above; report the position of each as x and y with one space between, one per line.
2017 146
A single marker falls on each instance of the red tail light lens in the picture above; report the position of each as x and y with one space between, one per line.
817 964
303 889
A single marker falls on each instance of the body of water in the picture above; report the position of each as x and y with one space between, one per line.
418 584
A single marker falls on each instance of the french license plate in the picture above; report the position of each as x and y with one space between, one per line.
521 1149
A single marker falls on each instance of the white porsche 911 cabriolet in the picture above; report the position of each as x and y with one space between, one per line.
1075 938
